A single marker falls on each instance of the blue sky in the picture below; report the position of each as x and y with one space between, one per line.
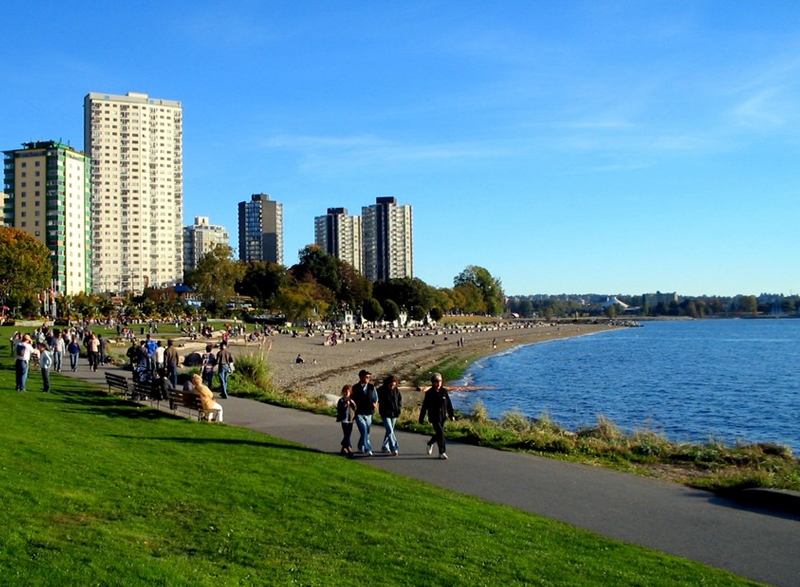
608 147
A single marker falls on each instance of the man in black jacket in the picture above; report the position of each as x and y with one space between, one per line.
439 408
366 399
390 404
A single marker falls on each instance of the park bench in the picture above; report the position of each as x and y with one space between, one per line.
142 391
118 383
191 401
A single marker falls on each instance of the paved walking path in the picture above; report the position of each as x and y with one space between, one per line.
760 543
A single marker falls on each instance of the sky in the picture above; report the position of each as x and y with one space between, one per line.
567 147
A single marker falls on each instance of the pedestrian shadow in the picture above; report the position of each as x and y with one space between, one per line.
758 501
101 404
224 441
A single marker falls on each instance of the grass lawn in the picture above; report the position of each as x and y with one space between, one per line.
99 491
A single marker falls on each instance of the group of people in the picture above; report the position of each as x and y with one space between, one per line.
222 362
49 347
358 403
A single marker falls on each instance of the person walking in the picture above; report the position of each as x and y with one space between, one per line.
207 363
172 360
159 356
345 414
93 349
439 408
59 348
150 346
23 351
45 363
103 347
74 350
390 404
366 400
224 367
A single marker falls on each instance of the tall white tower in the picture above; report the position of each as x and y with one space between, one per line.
387 240
339 235
136 146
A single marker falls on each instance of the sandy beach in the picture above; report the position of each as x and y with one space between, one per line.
327 368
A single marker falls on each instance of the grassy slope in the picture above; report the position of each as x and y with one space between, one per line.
102 492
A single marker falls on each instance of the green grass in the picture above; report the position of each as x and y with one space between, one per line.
99 491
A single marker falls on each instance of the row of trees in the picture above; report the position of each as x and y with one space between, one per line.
322 286
318 286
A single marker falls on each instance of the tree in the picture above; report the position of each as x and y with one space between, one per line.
216 275
300 301
372 310
262 280
469 298
490 287
391 311
436 314
25 267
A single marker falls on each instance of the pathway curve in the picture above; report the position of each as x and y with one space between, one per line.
760 543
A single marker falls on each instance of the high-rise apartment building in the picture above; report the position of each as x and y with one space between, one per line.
136 146
48 195
387 240
339 235
199 238
261 229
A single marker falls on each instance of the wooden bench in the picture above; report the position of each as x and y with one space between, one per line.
191 401
119 383
145 392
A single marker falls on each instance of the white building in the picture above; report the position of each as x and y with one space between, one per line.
136 146
340 235
48 196
199 238
387 240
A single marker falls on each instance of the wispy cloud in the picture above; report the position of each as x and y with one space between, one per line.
229 28
317 152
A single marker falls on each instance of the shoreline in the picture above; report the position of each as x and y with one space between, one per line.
385 352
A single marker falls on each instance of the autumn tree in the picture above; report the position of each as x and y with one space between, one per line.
490 287
216 276
301 301
25 267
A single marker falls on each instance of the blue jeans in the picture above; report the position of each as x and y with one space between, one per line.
46 380
364 423
390 440
57 360
172 373
224 371
22 374
73 361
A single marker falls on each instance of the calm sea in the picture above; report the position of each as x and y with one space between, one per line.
731 380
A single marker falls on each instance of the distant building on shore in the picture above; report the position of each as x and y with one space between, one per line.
48 195
199 238
340 235
261 229
387 240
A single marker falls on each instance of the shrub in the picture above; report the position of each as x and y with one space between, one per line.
479 413
254 368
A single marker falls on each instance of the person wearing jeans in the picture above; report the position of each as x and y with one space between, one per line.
23 350
366 399
224 362
390 404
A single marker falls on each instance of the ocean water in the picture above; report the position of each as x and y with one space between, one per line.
730 380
